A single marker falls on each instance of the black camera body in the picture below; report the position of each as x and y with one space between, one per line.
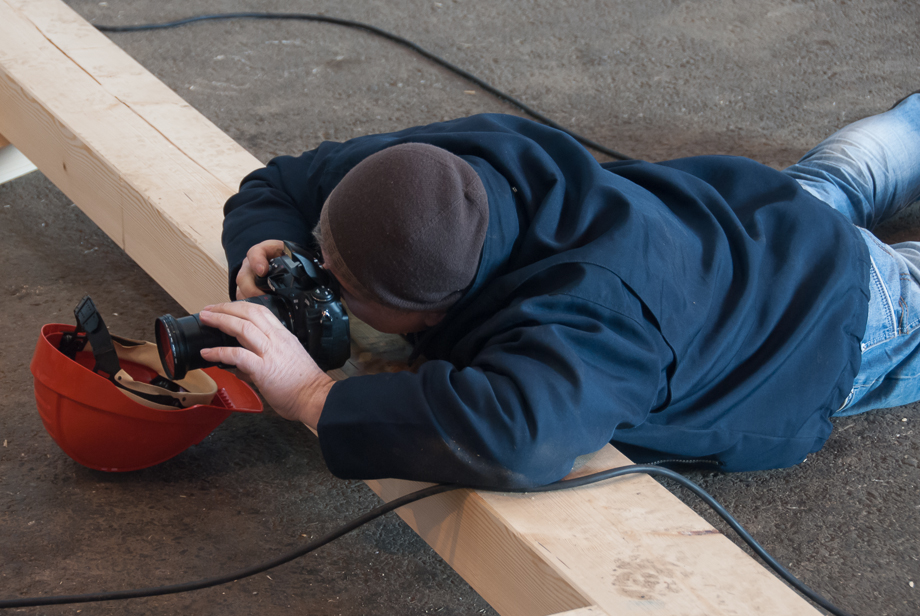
299 292
312 306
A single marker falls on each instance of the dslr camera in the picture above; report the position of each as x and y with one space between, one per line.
300 293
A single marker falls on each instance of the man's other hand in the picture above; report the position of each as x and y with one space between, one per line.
256 264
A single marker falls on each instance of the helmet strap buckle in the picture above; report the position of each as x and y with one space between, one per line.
72 343
97 334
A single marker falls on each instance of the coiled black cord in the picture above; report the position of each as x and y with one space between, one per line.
425 493
389 36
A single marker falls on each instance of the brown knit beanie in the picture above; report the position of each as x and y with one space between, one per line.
405 227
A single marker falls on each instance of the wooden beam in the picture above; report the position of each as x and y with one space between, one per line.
153 173
72 116
629 547
584 611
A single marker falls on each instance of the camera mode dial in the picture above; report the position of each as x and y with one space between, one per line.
322 294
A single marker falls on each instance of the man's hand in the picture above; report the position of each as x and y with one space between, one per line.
256 264
286 375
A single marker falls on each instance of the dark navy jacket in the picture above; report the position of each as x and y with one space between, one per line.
702 308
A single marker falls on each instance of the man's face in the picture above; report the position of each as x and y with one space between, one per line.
383 318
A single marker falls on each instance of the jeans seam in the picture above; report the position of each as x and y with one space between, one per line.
880 243
882 290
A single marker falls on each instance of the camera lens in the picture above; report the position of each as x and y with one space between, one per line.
179 342
165 334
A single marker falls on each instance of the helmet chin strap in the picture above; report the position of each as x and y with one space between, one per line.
90 323
159 391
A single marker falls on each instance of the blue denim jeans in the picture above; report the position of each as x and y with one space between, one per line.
869 171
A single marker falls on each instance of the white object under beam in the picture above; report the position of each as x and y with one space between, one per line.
13 163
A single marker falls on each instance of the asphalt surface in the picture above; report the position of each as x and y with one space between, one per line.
656 79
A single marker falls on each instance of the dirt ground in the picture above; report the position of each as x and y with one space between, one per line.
656 79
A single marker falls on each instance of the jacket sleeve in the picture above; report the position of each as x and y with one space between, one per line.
281 201
535 396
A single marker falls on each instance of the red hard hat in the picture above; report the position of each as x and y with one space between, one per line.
137 423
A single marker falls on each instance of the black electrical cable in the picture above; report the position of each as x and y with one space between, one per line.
236 575
425 493
387 35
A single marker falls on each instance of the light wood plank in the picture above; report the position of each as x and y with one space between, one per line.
98 150
584 611
153 173
3 142
136 88
628 546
